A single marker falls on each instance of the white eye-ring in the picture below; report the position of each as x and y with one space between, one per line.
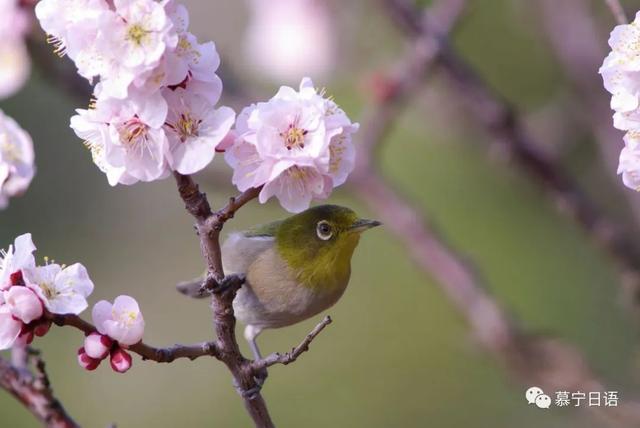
324 230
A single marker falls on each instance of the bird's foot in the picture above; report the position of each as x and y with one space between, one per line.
250 393
261 376
229 283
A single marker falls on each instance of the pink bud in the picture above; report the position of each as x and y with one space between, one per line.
24 303
120 360
97 346
86 362
41 327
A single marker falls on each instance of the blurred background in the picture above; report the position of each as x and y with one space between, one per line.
398 353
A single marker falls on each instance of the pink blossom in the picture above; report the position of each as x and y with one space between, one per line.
86 362
16 159
72 26
226 142
10 327
63 291
126 137
138 36
194 129
190 59
23 303
15 64
97 345
120 360
297 145
16 258
629 166
621 74
287 38
122 321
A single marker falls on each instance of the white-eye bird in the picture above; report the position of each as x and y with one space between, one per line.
294 268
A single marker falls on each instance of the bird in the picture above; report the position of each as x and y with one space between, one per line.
294 268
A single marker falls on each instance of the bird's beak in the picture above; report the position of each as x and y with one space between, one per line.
363 224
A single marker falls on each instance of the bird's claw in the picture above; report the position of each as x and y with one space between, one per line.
250 393
261 376
228 282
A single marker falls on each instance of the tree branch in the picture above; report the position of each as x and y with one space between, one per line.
577 42
501 121
147 352
290 357
617 11
208 225
35 393
536 360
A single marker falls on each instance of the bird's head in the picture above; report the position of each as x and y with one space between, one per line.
320 241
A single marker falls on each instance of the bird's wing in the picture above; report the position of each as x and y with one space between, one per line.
263 230
241 249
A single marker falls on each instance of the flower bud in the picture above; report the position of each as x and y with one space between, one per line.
24 303
86 362
41 327
97 345
120 360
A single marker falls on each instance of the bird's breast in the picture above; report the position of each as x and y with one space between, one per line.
274 297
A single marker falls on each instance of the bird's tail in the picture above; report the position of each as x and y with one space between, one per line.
192 288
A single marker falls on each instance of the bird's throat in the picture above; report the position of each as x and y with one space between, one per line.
328 269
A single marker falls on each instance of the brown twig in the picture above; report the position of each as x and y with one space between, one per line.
290 357
35 393
208 225
147 352
617 11
501 120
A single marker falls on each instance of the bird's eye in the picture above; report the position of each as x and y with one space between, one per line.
324 230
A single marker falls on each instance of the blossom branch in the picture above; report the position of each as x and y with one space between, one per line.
208 226
147 352
35 393
290 357
501 121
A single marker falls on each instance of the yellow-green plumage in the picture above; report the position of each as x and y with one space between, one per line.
295 268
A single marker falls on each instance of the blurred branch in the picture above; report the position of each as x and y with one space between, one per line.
501 120
617 11
35 393
578 44
290 357
535 360
61 74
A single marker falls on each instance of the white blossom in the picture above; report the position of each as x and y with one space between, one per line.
16 159
17 258
63 290
297 145
287 39
15 64
194 129
122 321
